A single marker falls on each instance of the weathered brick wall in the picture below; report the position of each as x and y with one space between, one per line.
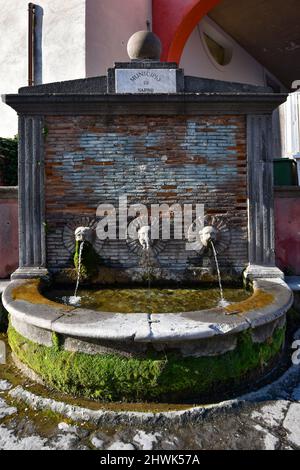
152 159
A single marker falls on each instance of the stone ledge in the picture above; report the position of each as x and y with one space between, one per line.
29 273
8 192
162 328
256 271
287 191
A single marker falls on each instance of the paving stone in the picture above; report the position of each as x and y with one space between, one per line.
8 441
5 385
66 442
145 441
5 409
270 441
292 424
271 415
119 445
97 443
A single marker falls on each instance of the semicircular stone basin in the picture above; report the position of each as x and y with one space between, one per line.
162 356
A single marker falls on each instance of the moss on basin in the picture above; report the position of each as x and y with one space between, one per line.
154 376
258 300
3 317
30 292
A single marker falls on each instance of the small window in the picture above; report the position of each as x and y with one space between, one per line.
221 54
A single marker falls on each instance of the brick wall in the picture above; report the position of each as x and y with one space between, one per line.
152 159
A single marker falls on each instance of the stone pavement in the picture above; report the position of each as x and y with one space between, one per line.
29 421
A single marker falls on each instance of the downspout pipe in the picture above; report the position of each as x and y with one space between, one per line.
35 39
37 49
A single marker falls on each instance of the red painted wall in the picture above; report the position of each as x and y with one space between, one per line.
287 230
174 20
9 251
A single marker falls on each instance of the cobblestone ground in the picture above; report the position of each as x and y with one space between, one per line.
266 419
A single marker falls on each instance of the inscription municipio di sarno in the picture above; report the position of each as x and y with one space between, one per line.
145 81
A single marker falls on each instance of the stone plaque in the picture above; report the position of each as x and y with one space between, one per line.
145 80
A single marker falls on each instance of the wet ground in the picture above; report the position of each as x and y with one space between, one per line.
32 417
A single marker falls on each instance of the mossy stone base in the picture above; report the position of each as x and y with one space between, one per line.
154 377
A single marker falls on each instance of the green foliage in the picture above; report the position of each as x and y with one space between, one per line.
55 341
155 376
9 162
45 131
3 317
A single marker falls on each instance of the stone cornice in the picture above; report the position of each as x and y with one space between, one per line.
142 104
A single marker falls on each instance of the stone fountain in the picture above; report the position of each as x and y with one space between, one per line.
147 131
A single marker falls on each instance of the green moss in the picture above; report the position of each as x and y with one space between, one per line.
155 376
45 131
90 260
56 341
3 317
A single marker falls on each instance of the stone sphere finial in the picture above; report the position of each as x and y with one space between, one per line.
144 45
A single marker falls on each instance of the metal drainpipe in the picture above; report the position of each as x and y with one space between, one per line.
30 43
35 56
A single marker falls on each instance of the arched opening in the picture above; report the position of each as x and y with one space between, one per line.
174 21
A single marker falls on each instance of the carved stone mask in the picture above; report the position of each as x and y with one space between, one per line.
143 236
84 234
207 234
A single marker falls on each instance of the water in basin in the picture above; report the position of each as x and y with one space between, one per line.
159 300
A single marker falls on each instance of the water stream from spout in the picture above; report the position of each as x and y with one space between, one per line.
149 283
223 302
74 299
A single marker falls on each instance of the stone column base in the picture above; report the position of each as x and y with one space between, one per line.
30 273
256 271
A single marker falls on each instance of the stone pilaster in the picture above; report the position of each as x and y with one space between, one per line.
32 259
261 198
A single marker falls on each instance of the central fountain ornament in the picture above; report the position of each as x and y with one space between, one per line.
139 237
144 237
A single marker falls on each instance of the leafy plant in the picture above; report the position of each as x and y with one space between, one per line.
9 161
